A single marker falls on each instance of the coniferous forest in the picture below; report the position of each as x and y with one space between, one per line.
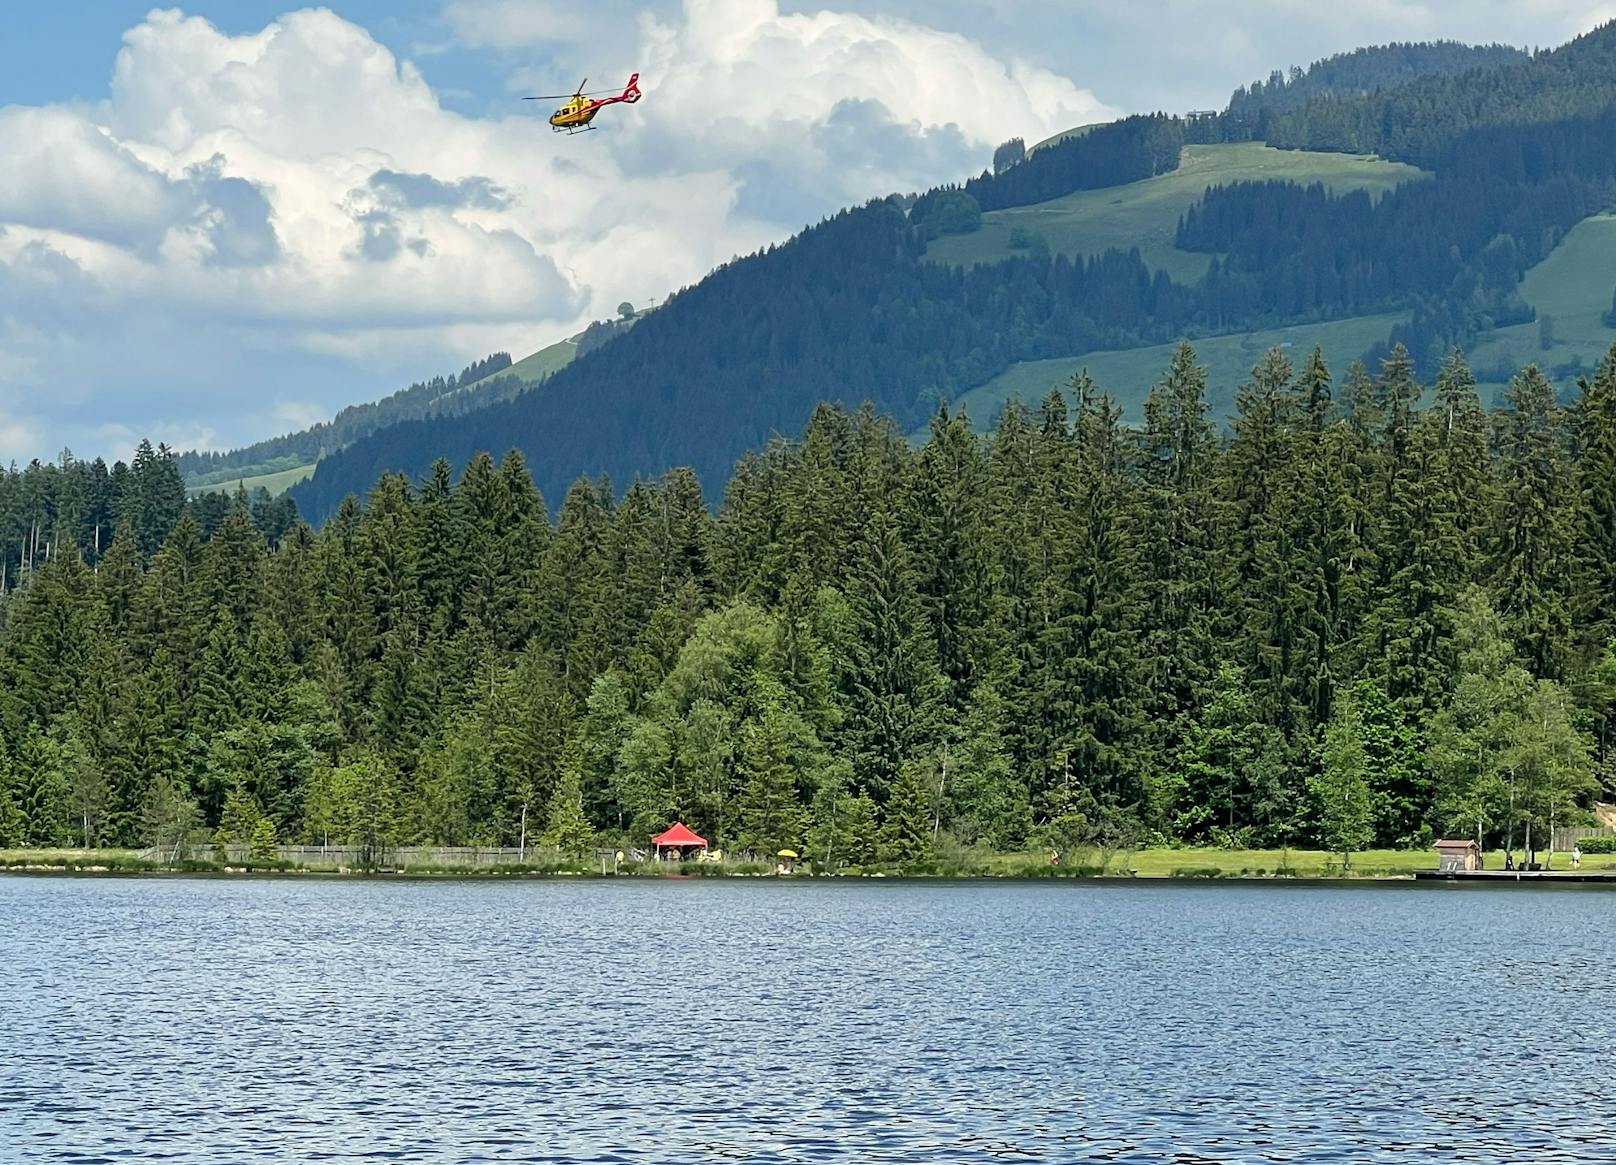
1368 612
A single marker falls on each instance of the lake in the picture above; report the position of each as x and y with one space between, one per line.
239 1020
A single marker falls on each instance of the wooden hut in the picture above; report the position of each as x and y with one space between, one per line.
1458 857
678 839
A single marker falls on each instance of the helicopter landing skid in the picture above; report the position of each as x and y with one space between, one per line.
574 128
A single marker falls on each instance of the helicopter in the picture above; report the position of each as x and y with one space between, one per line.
580 109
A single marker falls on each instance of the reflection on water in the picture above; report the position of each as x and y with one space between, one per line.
221 1020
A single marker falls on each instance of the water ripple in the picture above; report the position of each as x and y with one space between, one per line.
226 1020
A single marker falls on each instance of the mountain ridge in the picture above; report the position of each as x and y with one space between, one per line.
846 311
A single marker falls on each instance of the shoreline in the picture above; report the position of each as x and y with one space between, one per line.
1579 879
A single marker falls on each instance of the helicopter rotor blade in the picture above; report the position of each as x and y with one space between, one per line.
564 96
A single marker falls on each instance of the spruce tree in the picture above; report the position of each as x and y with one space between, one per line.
1596 510
771 815
891 685
1533 547
906 821
569 830
1341 786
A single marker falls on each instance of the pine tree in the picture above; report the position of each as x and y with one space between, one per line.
1596 509
906 822
891 684
1181 537
771 815
13 821
1341 786
262 845
1266 469
1090 668
1533 549
569 830
950 517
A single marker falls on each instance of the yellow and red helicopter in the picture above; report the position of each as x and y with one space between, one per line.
581 107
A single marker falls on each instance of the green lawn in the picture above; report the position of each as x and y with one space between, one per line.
1128 374
58 856
1145 214
1573 286
1164 863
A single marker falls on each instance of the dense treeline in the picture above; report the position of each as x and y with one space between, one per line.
1351 619
1354 74
850 311
294 449
74 506
1129 150
1427 121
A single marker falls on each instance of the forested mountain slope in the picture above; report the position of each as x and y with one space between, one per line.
848 311
1358 74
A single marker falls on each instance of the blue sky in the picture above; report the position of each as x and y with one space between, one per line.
226 220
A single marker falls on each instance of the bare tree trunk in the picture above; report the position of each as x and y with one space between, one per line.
523 846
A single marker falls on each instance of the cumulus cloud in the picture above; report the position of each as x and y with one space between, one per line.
818 109
292 215
422 190
1186 54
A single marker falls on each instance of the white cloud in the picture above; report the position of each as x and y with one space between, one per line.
292 216
833 103
1184 54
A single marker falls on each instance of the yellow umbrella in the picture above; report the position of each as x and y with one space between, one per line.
786 853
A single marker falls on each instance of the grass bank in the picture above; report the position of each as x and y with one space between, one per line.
1146 863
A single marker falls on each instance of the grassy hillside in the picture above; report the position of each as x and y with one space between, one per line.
531 369
1145 214
275 483
1075 132
1573 288
1128 375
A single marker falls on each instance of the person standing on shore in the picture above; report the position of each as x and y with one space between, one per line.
1576 856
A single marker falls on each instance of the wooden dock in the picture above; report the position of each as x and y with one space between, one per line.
1605 876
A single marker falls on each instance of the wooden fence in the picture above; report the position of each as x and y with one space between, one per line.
334 856
1564 839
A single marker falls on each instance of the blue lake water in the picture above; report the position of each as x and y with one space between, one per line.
238 1020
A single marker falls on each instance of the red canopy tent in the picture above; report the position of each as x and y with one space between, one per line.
678 836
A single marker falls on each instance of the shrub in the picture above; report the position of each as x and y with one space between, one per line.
1603 844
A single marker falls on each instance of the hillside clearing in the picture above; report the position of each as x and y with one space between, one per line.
1145 214
1127 375
275 483
1573 287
